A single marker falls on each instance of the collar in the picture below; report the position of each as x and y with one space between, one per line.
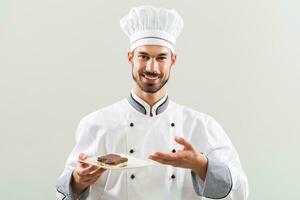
143 107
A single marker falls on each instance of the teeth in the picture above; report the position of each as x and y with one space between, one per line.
151 77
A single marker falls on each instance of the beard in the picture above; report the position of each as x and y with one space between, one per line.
149 87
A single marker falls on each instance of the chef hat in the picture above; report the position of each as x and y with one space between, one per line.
149 25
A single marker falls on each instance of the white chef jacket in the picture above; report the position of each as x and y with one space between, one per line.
131 126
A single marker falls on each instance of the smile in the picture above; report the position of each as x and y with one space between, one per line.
150 77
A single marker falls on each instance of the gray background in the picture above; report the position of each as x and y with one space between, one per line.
60 60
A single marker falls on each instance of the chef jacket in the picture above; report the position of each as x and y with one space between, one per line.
131 126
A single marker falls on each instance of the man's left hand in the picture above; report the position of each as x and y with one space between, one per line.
188 157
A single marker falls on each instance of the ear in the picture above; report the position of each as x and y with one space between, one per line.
173 59
129 57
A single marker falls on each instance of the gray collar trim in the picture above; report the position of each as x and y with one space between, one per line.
140 108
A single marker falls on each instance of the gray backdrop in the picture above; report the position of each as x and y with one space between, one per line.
60 60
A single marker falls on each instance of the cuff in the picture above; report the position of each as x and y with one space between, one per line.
218 181
64 190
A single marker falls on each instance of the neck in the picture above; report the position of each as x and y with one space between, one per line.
150 98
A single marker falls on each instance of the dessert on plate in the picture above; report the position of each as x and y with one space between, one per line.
113 160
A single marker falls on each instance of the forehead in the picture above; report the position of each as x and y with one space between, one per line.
152 50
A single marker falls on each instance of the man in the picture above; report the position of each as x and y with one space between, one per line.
197 156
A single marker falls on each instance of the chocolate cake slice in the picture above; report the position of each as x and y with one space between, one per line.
113 159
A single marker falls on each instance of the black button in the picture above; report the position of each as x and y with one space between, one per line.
174 150
173 176
131 151
172 124
131 124
132 176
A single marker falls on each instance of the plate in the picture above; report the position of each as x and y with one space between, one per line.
131 163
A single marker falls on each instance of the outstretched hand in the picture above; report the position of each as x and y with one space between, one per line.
189 157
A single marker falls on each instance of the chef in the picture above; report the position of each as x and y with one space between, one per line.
194 156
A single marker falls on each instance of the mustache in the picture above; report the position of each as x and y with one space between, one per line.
150 73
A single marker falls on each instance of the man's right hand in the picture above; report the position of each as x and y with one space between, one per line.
84 175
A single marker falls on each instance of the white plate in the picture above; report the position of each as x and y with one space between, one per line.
131 163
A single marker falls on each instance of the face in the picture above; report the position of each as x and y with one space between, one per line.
151 66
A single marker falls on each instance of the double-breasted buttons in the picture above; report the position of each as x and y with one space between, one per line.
173 176
172 124
174 151
132 176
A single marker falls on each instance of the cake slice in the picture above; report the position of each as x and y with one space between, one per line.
113 160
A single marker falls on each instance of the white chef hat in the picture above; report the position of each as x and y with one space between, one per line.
149 25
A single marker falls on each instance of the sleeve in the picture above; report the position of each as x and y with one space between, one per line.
84 144
225 178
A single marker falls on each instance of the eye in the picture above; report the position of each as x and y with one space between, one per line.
162 58
143 57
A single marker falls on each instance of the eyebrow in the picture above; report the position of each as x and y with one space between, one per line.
145 53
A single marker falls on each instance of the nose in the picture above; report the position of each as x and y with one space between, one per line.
152 65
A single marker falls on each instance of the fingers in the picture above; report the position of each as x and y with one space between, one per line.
98 171
86 174
174 163
162 161
86 178
184 142
171 157
164 156
92 180
91 175
82 156
86 170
